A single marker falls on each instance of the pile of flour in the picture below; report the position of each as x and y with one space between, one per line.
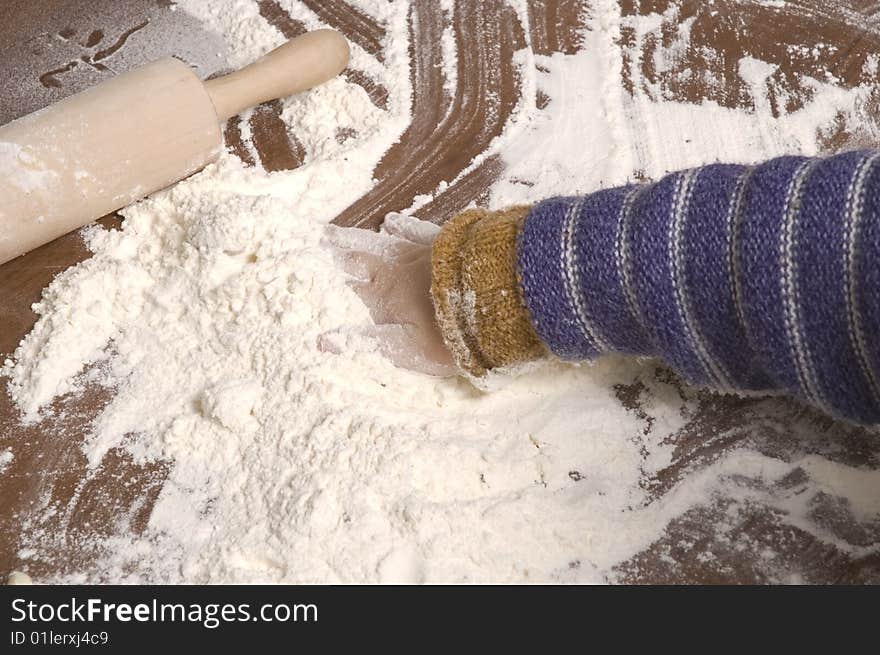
288 464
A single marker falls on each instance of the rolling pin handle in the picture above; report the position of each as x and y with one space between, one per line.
300 64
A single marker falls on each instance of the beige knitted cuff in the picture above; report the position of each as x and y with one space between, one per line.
477 296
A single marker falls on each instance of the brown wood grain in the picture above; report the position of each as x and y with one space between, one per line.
53 48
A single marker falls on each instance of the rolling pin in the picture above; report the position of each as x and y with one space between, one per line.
100 150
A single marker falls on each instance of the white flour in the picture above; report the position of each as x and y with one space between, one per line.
6 457
293 465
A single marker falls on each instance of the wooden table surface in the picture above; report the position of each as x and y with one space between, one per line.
52 48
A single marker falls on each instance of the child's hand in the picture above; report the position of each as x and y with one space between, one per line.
391 272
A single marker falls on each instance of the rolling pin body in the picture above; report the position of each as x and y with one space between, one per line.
95 152
101 149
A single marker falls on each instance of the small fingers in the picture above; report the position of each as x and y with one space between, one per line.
354 238
362 253
358 264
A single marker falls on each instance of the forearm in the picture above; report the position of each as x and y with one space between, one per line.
741 278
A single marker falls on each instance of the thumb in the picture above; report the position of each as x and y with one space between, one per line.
410 228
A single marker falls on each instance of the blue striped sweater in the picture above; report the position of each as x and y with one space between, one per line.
740 277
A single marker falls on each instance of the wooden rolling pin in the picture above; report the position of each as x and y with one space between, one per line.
93 153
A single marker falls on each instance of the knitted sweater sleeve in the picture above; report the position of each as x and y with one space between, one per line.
741 278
